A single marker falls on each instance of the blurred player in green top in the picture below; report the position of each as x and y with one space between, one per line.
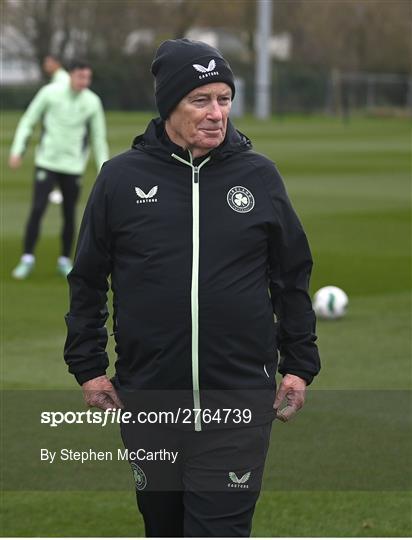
72 117
54 69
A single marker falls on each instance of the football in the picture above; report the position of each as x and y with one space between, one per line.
56 196
330 303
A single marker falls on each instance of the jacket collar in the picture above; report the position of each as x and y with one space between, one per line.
156 141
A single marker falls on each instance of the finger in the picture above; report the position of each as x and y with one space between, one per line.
101 400
280 396
105 402
116 400
286 413
296 398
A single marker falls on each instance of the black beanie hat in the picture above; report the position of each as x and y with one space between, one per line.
181 65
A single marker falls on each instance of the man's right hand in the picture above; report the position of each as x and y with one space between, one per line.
15 162
100 393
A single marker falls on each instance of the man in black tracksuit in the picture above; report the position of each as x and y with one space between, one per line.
202 246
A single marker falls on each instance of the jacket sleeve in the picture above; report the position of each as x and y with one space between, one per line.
290 265
85 347
98 136
28 121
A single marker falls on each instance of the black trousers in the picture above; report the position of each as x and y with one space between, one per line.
212 487
44 183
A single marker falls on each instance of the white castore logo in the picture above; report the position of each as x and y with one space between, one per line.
202 69
206 71
239 483
146 197
240 199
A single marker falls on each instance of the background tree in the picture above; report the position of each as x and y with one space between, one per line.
119 37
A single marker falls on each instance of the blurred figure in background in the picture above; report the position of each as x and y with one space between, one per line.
72 116
53 68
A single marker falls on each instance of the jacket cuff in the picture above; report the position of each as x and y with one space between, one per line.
308 377
85 376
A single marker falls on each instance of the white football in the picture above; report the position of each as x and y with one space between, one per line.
330 303
55 196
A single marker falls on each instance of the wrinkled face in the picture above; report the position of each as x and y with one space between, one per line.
80 79
199 121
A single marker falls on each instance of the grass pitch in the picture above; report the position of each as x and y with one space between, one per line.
350 184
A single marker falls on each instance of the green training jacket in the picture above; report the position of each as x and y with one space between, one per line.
60 76
70 121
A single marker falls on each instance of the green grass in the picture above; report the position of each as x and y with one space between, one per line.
351 185
108 514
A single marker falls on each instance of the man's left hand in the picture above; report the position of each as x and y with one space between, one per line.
293 389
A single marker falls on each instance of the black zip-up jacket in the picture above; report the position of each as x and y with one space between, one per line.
201 254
